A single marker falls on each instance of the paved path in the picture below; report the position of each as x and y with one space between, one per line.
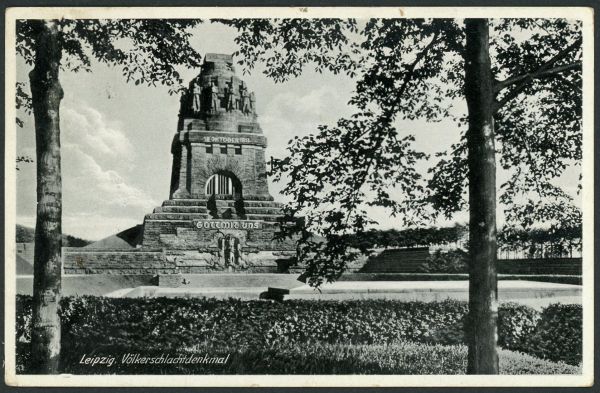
533 293
244 293
430 286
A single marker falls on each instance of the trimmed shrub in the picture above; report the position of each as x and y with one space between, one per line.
515 363
558 335
453 261
516 324
177 322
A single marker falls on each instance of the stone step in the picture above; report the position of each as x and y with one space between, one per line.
177 216
254 204
263 217
184 202
258 204
222 202
204 210
263 210
262 204
247 197
181 209
200 216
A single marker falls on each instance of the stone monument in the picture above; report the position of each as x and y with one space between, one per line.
220 216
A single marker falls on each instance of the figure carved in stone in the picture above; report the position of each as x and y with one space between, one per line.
233 257
224 251
252 103
244 99
239 260
197 97
230 96
214 97
229 250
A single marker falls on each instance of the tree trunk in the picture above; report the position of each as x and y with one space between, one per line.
46 94
483 289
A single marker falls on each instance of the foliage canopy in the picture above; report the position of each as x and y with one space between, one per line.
410 69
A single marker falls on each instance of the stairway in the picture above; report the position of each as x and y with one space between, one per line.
176 216
189 209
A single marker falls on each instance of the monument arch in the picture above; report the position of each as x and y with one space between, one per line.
225 184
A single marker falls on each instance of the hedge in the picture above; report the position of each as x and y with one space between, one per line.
451 261
515 328
558 334
169 324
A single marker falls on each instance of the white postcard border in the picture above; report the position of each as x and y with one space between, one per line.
580 13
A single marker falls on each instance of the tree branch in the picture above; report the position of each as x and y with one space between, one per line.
546 67
528 78
544 71
558 69
411 68
407 78
537 75
512 94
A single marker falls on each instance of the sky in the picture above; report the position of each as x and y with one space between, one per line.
116 138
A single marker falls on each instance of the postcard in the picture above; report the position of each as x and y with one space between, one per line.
331 196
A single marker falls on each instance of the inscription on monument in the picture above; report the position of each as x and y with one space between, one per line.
228 224
226 139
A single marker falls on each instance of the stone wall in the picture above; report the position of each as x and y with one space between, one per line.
183 234
412 260
78 261
407 260
153 229
567 266
81 261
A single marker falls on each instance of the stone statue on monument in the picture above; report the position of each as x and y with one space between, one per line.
230 96
233 256
223 251
197 97
240 260
215 103
252 105
244 99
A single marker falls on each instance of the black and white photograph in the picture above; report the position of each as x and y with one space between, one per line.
367 196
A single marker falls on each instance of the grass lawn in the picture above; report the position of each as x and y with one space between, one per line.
405 358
